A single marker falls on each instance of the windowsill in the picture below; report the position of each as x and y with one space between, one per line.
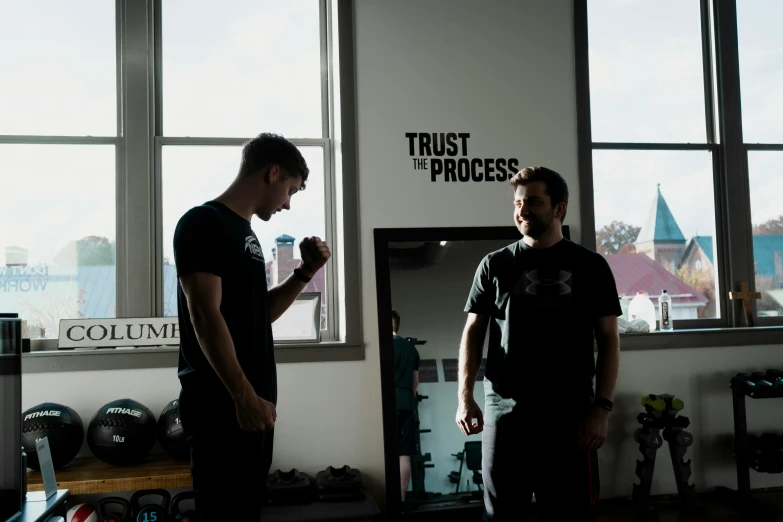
146 358
702 338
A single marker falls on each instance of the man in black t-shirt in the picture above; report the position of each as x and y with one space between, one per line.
406 375
226 359
544 299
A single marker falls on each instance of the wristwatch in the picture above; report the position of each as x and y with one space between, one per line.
300 275
603 403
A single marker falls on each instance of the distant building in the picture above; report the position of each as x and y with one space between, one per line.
660 237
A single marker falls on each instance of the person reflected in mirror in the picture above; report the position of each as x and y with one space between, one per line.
406 375
543 299
227 370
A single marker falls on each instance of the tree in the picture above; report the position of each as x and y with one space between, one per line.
87 251
772 227
617 238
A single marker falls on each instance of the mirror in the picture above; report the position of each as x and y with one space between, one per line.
425 275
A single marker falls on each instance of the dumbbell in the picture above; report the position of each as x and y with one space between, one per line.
176 512
104 515
651 438
151 512
657 404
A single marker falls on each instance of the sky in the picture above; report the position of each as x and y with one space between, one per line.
256 67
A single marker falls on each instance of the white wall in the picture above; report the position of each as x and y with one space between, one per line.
503 72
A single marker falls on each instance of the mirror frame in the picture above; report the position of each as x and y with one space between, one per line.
382 237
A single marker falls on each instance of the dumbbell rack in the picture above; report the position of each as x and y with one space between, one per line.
739 392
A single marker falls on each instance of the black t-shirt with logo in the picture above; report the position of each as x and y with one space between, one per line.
543 303
406 361
212 238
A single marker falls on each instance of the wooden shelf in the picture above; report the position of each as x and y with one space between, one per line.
90 475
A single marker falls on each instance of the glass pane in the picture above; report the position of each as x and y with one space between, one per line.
767 218
761 69
193 175
59 68
258 70
58 238
646 79
655 221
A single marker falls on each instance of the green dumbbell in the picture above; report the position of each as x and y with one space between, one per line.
657 404
678 404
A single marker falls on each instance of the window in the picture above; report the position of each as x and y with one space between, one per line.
667 166
220 91
652 160
108 136
761 72
58 137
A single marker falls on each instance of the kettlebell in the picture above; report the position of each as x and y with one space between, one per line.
104 515
177 513
151 512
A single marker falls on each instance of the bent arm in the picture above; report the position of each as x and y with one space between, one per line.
470 350
415 383
608 360
203 293
281 297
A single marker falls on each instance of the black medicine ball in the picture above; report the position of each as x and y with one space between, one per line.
122 432
170 434
60 424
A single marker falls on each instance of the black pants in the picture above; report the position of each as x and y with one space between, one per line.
229 466
406 433
522 457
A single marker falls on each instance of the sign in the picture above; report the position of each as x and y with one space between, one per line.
23 278
428 370
451 370
446 156
110 333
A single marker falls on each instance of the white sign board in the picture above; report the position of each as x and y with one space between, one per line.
301 322
128 331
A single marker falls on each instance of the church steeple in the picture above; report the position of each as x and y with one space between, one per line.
660 237
660 225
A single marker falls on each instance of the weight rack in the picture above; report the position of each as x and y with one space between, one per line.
740 391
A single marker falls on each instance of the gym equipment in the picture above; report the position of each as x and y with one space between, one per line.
63 428
170 434
470 457
661 414
419 461
289 487
339 484
177 513
122 432
105 515
150 512
82 513
760 385
765 453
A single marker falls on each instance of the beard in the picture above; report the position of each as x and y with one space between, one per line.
536 225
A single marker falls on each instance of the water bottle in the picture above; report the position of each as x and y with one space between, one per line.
665 308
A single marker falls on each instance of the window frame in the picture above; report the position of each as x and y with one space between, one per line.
138 147
723 118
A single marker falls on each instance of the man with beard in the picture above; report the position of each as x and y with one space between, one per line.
544 299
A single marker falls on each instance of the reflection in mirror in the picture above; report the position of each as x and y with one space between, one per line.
430 282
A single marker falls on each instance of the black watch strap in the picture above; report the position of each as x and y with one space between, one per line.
603 403
300 275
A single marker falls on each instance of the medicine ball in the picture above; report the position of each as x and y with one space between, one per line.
122 432
60 424
170 434
81 513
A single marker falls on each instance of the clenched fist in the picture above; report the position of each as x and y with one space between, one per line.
315 253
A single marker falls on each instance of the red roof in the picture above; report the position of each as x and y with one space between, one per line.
637 272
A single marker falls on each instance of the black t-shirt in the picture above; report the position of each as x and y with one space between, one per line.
543 303
212 238
406 361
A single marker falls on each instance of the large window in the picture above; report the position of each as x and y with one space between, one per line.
219 91
118 117
58 137
678 196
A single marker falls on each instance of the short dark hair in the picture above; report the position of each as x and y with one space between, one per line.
556 186
395 321
266 150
